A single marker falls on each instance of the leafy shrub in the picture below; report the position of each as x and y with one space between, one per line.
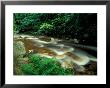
28 69
44 66
46 26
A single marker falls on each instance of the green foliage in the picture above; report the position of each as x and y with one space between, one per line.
44 66
28 69
42 22
70 25
46 26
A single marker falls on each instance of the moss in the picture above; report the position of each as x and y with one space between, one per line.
18 49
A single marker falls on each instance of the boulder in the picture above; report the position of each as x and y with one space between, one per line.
18 49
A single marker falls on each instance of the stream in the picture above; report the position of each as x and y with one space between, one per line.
67 53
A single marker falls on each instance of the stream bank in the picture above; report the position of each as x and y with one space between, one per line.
69 56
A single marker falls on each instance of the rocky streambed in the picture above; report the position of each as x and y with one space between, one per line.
69 56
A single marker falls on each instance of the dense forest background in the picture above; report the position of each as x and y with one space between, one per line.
80 26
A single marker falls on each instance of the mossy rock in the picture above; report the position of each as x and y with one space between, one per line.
19 49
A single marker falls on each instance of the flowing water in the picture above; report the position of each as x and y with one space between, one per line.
65 53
